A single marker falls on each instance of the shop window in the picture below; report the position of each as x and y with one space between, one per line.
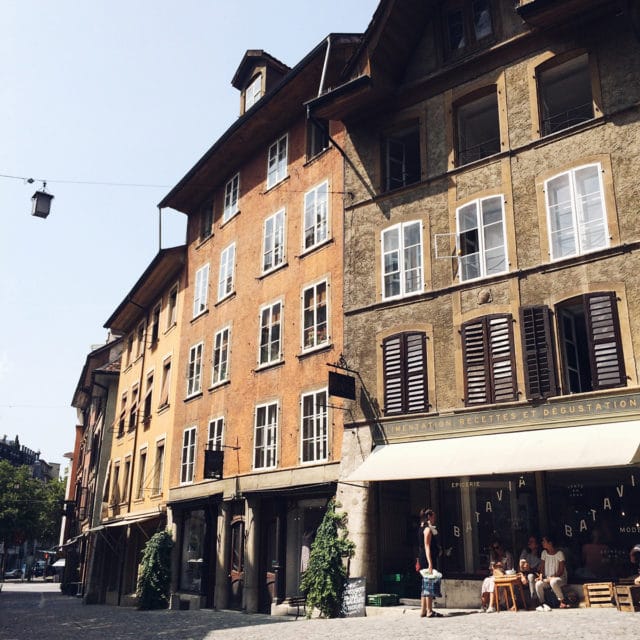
404 362
468 25
576 212
477 128
488 360
402 260
194 529
565 94
402 158
317 137
588 342
482 245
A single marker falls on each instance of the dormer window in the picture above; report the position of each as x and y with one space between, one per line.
253 92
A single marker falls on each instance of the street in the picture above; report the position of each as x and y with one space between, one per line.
39 610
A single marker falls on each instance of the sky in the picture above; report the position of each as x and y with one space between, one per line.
111 103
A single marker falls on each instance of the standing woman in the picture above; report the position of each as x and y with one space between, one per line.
429 550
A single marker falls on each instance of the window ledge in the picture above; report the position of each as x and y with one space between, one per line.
202 241
269 365
313 158
315 350
170 328
163 408
202 313
264 274
217 385
193 396
316 247
276 185
229 296
226 221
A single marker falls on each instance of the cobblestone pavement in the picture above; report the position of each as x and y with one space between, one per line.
38 610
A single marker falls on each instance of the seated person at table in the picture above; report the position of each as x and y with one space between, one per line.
553 573
529 564
500 561
634 556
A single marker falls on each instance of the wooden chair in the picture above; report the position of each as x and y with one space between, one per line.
510 586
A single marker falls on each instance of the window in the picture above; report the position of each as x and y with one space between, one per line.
315 435
273 246
216 434
158 469
142 470
589 345
565 94
231 195
225 278
477 128
166 382
317 137
115 486
129 350
316 216
206 221
193 551
133 409
314 310
220 372
404 363
270 334
172 307
488 360
266 435
402 158
148 397
188 455
402 260
125 479
481 238
201 290
140 339
253 92
467 25
155 325
122 420
277 162
194 373
576 212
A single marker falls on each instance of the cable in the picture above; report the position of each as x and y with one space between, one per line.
89 182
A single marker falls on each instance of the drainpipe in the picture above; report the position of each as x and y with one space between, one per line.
324 66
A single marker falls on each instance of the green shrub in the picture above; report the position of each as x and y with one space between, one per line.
154 579
325 579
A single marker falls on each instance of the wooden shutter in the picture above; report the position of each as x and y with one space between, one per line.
605 348
404 360
537 349
488 360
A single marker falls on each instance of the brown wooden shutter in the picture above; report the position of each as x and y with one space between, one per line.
537 348
488 359
392 364
405 373
605 348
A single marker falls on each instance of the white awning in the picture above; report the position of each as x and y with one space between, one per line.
59 563
590 446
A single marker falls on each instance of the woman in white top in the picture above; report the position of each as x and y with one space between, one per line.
553 573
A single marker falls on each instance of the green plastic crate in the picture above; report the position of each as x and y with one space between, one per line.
382 599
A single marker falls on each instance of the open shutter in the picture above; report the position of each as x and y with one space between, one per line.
605 348
501 358
392 364
475 362
537 348
416 372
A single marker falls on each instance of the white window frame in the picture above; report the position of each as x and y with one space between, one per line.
265 337
165 383
148 396
400 263
231 198
267 432
141 332
483 228
310 319
142 471
215 438
220 356
273 242
314 426
172 307
578 225
277 161
194 370
158 467
253 92
188 457
201 290
316 217
226 276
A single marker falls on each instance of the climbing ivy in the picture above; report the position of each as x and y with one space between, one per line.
154 579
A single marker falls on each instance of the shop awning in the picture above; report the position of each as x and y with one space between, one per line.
58 563
590 446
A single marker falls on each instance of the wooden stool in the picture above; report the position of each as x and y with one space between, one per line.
508 583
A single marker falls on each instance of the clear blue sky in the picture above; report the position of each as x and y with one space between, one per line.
130 92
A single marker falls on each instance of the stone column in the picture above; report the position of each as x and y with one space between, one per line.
251 555
221 559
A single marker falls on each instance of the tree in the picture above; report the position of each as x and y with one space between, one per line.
154 579
325 579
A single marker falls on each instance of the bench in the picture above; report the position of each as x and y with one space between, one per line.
298 602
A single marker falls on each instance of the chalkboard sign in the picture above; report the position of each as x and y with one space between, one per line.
355 598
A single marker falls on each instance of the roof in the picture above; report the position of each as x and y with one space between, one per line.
165 267
251 58
97 359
